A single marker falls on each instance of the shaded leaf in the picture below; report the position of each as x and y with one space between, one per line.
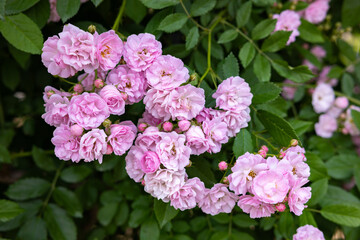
59 225
342 214
310 33
158 4
33 229
243 143
276 41
264 92
9 210
200 7
28 188
262 68
42 159
149 230
227 36
18 6
67 199
164 212
173 22
342 166
230 66
246 54
75 174
263 29
192 38
67 8
243 14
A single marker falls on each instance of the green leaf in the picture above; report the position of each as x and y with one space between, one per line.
318 191
164 212
244 221
4 155
342 166
342 214
357 176
356 117
227 36
22 58
67 199
347 84
9 210
310 33
263 29
59 225
138 216
201 168
306 218
230 66
200 7
149 230
286 225
301 126
158 4
135 10
39 13
22 33
33 229
106 213
155 21
276 41
335 72
299 74
279 128
28 188
96 2
243 14
42 159
263 3
347 50
337 195
262 68
243 143
350 12
109 162
2 9
67 8
6 137
264 92
18 6
246 54
10 73
317 167
75 174
192 38
122 213
173 22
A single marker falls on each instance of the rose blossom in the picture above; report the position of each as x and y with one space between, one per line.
323 77
318 51
141 50
164 182
122 136
216 134
323 97
185 102
109 49
236 121
93 145
233 94
316 11
288 20
288 92
113 99
166 73
298 196
149 119
149 138
217 200
188 195
149 162
245 169
172 151
88 110
195 139
155 103
56 110
87 79
253 206
132 83
326 126
133 166
308 232
270 186
66 145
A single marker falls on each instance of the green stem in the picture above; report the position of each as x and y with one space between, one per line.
209 223
313 210
230 224
118 18
66 81
265 140
2 118
191 18
28 154
230 164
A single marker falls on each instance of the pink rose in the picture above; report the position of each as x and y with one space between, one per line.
288 92
109 49
149 162
195 139
133 166
188 195
88 110
256 208
349 124
298 196
122 136
216 134
323 97
318 51
155 103
93 145
149 138
270 187
149 119
326 126
288 20
56 110
113 99
308 232
66 145
166 73
316 11
236 121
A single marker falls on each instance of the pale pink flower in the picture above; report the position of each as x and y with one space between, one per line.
341 102
308 232
49 91
166 73
122 136
236 121
56 110
323 97
349 124
288 92
318 51
298 196
288 20
87 79
195 139
270 186
66 145
155 103
185 102
141 50
54 16
233 94
184 125
323 77
316 11
172 151
216 134
109 49
149 138
326 126
246 167
256 208
93 145
149 119
133 166
88 110
163 183
113 99
149 162
188 195
131 82
217 200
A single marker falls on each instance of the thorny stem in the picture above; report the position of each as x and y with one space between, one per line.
190 17
27 154
118 18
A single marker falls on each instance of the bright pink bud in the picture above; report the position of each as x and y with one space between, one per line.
76 130
124 96
109 149
280 207
99 83
143 182
345 131
223 166
281 154
184 125
78 88
341 102
49 93
262 153
294 142
75 94
265 148
167 126
142 127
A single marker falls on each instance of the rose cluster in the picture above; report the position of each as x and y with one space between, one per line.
267 185
176 125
